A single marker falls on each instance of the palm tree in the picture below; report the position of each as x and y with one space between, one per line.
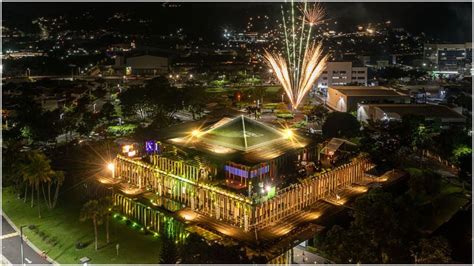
35 172
59 180
92 211
107 208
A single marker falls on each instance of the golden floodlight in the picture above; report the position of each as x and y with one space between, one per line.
110 166
196 133
288 133
127 148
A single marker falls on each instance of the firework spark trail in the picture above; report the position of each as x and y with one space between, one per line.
286 32
294 42
299 69
314 66
301 44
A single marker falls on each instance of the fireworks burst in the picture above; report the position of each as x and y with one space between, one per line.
304 60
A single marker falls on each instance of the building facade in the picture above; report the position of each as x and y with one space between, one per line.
448 58
347 98
247 213
246 187
431 112
342 73
147 65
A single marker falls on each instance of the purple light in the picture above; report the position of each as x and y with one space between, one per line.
151 146
260 171
236 171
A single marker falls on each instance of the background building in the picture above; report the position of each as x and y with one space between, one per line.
342 73
143 65
347 98
455 58
431 112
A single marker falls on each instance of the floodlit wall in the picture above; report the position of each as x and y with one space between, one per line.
151 219
199 196
336 100
231 207
299 196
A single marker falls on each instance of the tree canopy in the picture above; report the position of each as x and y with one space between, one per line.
340 124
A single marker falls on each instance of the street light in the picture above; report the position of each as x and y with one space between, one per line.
21 244
111 167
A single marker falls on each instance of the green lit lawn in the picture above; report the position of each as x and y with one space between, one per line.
273 89
216 90
63 223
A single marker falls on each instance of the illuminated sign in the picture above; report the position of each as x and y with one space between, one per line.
152 146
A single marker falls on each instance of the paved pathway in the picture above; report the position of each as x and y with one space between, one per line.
303 256
11 247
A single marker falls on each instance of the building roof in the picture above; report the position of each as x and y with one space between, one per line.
367 91
334 144
241 133
147 62
241 139
426 110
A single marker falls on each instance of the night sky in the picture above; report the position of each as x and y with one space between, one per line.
449 22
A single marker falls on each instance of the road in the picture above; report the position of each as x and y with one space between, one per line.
303 256
11 247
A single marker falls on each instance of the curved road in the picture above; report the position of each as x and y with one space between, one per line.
11 246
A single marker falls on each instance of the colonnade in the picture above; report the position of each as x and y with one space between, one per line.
299 196
199 196
234 208
179 168
152 219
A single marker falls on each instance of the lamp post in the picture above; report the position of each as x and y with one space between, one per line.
21 244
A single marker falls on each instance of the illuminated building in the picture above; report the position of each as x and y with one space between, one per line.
236 171
448 58
347 98
431 113
342 73
143 65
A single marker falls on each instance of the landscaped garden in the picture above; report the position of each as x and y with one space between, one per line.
60 233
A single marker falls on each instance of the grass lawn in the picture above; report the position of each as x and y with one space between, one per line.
63 224
446 204
216 90
443 209
272 89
